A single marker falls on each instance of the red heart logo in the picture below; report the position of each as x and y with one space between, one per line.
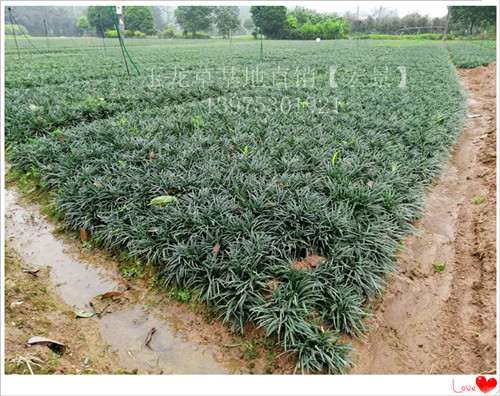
484 385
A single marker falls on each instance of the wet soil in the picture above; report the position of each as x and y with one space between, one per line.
187 338
438 314
32 309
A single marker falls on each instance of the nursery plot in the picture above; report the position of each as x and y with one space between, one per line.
36 111
471 54
88 63
286 216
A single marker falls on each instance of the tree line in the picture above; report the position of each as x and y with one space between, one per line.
279 23
275 22
191 19
51 21
460 20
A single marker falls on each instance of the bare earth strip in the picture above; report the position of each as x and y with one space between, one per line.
444 322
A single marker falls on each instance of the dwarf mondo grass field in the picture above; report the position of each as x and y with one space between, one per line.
472 54
278 190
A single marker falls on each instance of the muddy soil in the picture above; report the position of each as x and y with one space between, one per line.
136 327
438 314
31 309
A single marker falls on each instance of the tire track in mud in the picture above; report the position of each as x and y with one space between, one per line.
444 322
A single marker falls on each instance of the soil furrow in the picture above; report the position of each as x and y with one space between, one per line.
438 312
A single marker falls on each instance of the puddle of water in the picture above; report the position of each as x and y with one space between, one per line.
78 282
32 238
166 352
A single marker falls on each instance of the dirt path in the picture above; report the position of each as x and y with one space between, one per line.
438 313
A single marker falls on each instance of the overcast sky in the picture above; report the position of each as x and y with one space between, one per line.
433 9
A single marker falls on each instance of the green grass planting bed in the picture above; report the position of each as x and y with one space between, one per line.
469 54
279 206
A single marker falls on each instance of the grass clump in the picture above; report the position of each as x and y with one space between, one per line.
439 267
478 200
181 295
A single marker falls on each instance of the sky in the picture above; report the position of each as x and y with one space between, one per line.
433 9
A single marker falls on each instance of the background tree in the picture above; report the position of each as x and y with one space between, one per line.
386 21
82 24
248 24
472 16
227 20
271 20
11 29
101 18
60 20
303 15
139 19
292 22
415 22
159 18
194 18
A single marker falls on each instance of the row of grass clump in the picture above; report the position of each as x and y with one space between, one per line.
417 36
89 63
286 218
469 54
37 111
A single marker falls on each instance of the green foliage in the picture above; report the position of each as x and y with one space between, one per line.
227 19
198 35
163 201
300 24
271 20
129 267
292 22
439 267
303 15
421 36
111 33
473 16
11 29
138 34
82 23
197 121
181 295
139 19
101 18
250 350
248 24
194 18
132 270
167 33
59 19
256 190
468 54
331 28
478 200
305 24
